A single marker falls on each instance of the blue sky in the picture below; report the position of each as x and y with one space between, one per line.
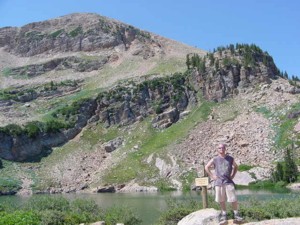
274 25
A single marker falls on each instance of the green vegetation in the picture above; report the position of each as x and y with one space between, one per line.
15 94
252 209
176 210
279 187
6 71
58 210
166 67
265 111
9 184
75 32
256 210
19 217
244 167
284 129
187 179
195 61
55 34
284 173
287 170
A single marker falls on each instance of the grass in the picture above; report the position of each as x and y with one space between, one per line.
244 167
284 128
59 210
265 111
172 65
153 142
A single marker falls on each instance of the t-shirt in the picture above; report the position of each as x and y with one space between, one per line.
223 169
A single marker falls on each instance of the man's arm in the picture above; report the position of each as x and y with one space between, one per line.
207 169
234 169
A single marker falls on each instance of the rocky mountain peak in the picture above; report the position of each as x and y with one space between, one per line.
72 33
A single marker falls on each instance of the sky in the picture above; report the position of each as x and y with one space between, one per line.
273 25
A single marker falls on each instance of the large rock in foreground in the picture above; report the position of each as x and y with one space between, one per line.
204 216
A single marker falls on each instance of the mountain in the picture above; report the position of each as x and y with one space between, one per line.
90 103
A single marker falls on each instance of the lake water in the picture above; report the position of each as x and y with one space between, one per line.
148 206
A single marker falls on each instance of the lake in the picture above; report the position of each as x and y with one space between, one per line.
148 206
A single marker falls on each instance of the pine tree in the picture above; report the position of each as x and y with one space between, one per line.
278 173
290 170
188 61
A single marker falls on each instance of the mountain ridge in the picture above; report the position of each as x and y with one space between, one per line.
132 81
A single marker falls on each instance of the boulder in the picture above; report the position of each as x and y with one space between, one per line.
113 144
243 178
110 189
204 216
166 119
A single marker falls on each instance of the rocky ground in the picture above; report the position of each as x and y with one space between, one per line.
246 132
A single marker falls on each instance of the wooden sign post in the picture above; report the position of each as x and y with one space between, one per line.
203 183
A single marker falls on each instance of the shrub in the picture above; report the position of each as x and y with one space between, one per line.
244 167
54 126
120 214
47 203
9 185
276 208
176 210
76 32
82 206
33 128
12 129
20 218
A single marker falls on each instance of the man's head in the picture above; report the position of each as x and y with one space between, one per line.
221 149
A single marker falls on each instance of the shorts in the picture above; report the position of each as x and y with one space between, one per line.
225 192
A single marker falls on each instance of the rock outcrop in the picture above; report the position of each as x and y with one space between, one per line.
201 217
73 33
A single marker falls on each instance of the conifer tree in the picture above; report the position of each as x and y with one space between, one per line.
188 61
290 170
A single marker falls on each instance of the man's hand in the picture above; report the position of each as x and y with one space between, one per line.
214 177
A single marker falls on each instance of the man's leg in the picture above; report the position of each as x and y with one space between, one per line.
221 199
223 206
231 195
234 205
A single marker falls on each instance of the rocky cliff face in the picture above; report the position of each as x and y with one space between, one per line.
73 33
23 145
224 73
165 98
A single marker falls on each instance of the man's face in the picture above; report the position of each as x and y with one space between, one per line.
221 149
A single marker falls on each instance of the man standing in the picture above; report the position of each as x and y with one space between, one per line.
225 170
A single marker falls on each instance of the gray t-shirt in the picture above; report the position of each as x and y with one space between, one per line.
223 169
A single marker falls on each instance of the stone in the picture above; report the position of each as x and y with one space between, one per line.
201 217
98 223
110 189
243 178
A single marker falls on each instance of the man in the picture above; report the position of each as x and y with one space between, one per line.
225 170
